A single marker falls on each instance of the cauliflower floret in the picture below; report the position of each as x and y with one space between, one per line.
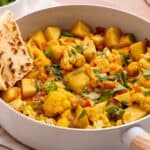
115 57
90 51
56 103
65 62
102 64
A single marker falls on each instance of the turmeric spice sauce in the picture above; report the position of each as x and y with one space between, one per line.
84 79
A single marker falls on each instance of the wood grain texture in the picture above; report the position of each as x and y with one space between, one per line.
141 142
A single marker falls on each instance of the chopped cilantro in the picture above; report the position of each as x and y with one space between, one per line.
101 76
82 114
65 33
79 49
50 86
48 53
146 73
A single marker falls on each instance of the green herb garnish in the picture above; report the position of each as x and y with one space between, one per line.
57 72
37 85
48 53
126 59
82 114
146 92
115 113
79 49
65 33
123 77
50 86
119 88
69 88
92 95
100 76
146 73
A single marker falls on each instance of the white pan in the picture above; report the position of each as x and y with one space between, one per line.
46 137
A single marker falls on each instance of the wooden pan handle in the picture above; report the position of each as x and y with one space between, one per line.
136 139
141 142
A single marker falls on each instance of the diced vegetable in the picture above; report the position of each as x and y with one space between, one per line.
11 94
56 102
137 49
52 33
55 49
124 97
90 50
133 113
98 39
77 81
133 69
112 37
81 120
28 87
39 38
63 122
127 40
80 29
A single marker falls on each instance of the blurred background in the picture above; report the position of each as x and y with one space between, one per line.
22 7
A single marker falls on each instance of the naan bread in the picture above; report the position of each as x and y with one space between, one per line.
15 61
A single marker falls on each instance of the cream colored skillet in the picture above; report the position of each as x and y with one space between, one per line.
46 137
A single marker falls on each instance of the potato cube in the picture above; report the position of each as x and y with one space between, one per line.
39 39
127 40
80 29
56 50
112 37
11 93
124 97
132 69
52 33
81 119
77 80
28 87
133 113
137 49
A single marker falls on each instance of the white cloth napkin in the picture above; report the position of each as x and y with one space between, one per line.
27 6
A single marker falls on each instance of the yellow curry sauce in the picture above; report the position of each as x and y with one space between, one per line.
84 79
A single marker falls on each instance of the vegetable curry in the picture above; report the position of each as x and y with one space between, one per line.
83 78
